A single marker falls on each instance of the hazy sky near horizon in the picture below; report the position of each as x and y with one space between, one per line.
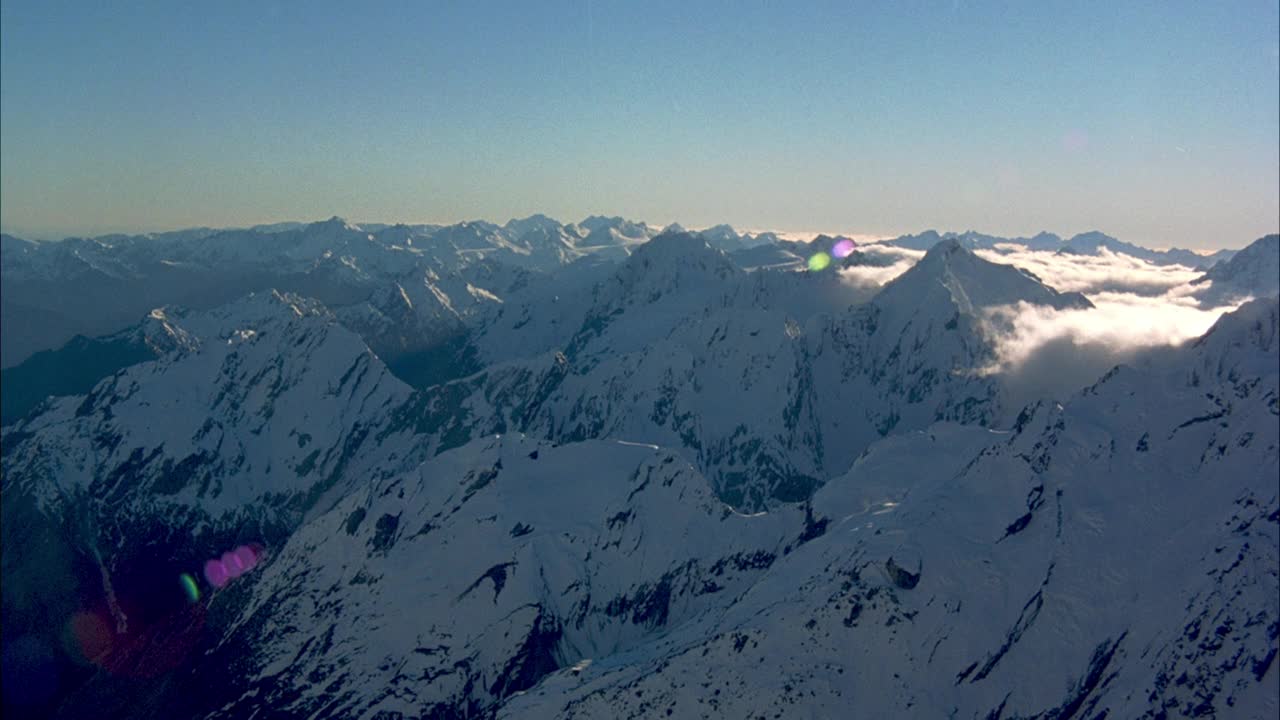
1156 122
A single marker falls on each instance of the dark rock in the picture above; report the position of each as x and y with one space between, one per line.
902 577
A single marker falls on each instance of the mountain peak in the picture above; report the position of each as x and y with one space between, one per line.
673 244
1092 238
946 248
520 226
950 273
335 222
923 241
1252 272
595 222
664 260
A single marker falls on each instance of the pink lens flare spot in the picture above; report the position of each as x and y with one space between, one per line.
1075 141
247 557
216 573
93 636
233 565
842 248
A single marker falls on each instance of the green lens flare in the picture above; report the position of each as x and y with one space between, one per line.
189 585
819 261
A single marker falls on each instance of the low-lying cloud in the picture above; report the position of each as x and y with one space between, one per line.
1042 352
1118 321
882 263
1089 274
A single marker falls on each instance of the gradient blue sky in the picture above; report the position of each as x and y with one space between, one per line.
1156 122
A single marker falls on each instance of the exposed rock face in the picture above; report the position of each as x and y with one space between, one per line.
902 577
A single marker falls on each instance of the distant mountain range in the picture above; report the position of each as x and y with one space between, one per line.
119 278
1089 243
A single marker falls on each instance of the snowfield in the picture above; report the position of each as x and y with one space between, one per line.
594 470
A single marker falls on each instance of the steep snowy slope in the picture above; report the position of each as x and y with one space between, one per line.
541 316
52 291
949 277
768 382
1253 272
444 591
1114 557
265 403
1117 554
600 231
915 354
80 364
768 255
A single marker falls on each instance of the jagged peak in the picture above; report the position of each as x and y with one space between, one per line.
1251 272
673 245
7 239
1265 247
663 260
1045 236
721 229
270 307
972 282
537 221
1092 237
333 223
1257 321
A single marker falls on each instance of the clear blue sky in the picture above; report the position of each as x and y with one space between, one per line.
1157 122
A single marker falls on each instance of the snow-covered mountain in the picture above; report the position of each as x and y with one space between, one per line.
1114 554
53 291
637 481
613 231
260 401
670 347
77 366
1252 272
1088 243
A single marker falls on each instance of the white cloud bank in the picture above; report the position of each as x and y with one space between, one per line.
885 262
1089 274
1138 307
1042 352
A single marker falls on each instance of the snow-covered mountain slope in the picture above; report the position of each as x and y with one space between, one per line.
1114 557
52 291
1252 272
916 353
446 590
263 411
420 310
949 277
599 231
77 366
265 403
769 255
1116 554
768 382
724 237
543 315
